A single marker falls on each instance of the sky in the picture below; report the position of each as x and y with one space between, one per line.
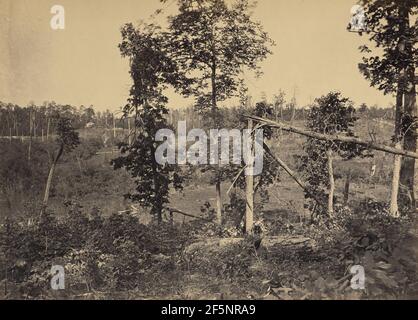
81 65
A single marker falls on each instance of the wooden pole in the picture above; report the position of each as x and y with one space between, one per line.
114 131
249 178
292 174
30 134
47 129
397 162
114 126
331 183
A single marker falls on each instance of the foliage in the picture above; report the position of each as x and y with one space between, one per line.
332 114
386 24
391 68
96 252
149 66
211 42
66 135
21 180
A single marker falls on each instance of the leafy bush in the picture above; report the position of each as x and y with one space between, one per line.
229 263
96 252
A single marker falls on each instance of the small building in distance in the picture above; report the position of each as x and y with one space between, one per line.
90 125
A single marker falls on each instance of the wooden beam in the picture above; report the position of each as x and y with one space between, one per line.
249 180
341 138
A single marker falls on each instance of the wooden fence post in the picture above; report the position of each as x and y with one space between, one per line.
249 178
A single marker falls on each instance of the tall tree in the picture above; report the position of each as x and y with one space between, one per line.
150 70
331 114
212 42
67 140
392 27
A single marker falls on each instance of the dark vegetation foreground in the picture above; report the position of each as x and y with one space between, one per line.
110 254
117 257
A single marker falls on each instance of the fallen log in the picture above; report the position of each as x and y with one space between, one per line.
276 242
208 247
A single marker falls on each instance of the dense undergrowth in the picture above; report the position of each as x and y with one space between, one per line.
118 257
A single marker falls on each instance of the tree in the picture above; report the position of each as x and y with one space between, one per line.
150 68
88 115
363 108
67 140
330 115
254 186
279 102
86 151
212 41
393 30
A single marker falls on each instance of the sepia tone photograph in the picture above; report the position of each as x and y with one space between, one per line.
217 150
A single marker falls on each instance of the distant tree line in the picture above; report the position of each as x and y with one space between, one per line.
280 109
36 120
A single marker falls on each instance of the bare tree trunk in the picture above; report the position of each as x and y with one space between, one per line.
276 112
292 118
410 112
394 208
79 164
249 178
347 188
218 203
48 188
114 127
410 144
157 206
331 183
129 132
30 136
30 148
214 116
47 129
49 180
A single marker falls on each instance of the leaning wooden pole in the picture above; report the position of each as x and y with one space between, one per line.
341 138
292 174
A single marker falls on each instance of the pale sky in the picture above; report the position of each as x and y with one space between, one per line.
82 65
